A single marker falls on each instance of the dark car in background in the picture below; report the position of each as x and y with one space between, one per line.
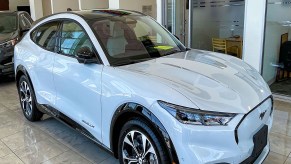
13 25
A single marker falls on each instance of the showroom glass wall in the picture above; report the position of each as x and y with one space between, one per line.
276 68
210 22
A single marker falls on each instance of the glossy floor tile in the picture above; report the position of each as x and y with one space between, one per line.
51 142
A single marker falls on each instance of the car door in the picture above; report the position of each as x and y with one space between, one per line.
42 60
78 85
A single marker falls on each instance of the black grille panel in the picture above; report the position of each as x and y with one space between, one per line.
260 141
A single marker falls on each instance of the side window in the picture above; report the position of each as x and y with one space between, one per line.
45 35
74 39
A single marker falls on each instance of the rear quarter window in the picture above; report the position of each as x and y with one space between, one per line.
45 35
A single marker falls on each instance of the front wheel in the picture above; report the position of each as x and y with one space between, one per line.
27 100
138 144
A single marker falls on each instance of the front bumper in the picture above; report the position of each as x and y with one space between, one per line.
7 69
218 144
6 61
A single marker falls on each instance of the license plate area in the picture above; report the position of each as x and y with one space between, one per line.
260 141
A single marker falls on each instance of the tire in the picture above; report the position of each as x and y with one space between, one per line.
28 100
140 131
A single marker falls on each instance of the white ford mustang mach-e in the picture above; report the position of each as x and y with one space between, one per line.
125 82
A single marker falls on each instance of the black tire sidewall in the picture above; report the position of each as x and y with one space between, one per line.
34 108
142 127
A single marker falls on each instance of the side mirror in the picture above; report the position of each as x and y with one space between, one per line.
86 56
24 31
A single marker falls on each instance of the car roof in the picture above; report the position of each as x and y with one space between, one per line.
101 13
12 12
95 14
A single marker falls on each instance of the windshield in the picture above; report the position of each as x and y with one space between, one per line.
130 39
8 23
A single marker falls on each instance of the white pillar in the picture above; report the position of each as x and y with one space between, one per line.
80 4
254 32
160 11
114 4
36 9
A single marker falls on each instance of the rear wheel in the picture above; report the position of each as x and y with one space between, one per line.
138 144
27 100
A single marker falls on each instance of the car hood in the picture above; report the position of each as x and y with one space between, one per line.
7 36
212 81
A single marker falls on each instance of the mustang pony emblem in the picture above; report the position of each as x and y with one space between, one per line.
262 115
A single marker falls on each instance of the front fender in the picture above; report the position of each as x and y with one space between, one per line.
133 110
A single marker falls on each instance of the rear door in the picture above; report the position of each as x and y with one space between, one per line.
78 85
44 37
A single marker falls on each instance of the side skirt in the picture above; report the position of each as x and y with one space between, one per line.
71 123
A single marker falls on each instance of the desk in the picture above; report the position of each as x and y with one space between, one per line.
234 42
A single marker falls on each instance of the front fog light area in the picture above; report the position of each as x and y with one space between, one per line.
196 116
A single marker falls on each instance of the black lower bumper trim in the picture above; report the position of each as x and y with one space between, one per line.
260 142
7 69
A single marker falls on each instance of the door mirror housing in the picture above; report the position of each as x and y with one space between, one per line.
86 56
24 31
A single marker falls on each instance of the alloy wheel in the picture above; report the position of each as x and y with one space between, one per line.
138 149
25 98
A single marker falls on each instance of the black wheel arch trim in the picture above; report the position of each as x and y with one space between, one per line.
137 109
22 69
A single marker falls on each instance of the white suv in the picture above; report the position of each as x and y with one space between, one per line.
128 84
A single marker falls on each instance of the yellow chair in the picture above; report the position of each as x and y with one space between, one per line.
284 38
235 50
219 45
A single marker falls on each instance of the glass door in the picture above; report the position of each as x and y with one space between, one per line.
175 18
277 47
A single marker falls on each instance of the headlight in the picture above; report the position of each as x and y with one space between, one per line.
197 117
12 42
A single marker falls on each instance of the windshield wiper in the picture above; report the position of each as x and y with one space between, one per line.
129 61
122 62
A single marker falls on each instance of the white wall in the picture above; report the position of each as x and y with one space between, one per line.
47 7
93 4
138 4
14 3
62 5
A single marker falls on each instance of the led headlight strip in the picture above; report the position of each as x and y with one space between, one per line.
197 117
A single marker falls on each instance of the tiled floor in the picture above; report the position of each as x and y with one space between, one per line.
51 142
47 141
